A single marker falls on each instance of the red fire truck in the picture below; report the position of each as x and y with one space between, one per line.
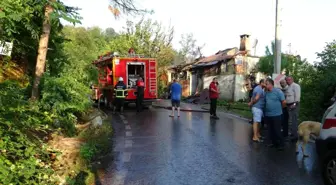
111 66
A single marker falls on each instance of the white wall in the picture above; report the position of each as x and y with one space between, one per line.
194 81
225 85
240 88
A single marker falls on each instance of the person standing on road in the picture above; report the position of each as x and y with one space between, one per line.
120 93
284 88
176 93
257 102
140 85
274 101
293 95
213 94
253 85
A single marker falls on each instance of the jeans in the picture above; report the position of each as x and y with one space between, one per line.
213 106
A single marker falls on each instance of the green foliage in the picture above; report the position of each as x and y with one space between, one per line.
318 81
81 48
290 63
88 151
189 49
24 158
98 142
64 97
147 37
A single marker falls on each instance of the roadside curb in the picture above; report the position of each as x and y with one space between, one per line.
182 109
230 114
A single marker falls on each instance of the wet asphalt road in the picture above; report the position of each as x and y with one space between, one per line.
152 148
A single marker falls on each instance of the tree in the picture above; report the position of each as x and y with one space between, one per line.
82 46
59 10
53 10
125 6
110 33
189 50
289 63
146 37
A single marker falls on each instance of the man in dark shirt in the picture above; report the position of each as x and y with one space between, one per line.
120 93
213 95
140 85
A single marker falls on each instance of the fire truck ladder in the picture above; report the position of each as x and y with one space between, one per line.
152 76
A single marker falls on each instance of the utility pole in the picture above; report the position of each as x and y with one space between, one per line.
277 54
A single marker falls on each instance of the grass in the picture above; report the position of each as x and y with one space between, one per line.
243 113
239 108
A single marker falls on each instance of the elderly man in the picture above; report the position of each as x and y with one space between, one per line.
293 95
284 88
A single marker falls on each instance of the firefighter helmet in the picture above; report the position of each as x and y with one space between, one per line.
121 79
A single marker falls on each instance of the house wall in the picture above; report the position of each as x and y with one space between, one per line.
240 88
231 78
194 81
225 85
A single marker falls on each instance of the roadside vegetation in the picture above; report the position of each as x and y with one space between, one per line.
317 79
45 134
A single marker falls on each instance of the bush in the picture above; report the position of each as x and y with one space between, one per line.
64 97
98 142
24 158
88 151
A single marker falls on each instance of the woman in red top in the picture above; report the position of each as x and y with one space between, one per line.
213 95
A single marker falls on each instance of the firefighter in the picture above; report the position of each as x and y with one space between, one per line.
140 94
120 93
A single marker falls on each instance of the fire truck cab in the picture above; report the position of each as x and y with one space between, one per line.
111 66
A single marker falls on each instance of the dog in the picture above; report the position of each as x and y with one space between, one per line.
305 129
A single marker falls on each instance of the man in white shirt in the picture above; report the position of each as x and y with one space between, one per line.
293 95
285 116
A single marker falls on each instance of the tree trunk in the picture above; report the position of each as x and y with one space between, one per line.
42 51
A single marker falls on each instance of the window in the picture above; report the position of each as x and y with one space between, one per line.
134 71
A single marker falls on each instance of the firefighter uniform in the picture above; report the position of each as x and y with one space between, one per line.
120 93
140 94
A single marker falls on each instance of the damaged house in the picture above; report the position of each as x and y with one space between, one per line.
233 68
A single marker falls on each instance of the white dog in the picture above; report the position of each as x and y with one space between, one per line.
305 129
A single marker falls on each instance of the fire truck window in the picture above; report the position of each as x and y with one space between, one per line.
134 72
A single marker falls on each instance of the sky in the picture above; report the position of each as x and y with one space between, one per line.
305 24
